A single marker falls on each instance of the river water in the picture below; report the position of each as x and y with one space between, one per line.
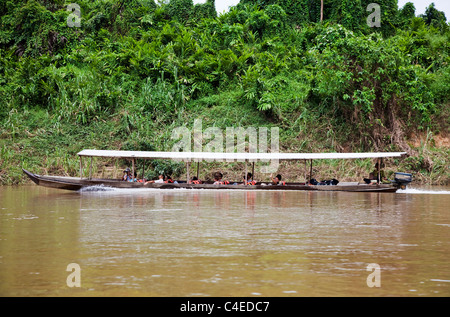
224 243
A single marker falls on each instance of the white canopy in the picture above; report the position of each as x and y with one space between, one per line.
230 157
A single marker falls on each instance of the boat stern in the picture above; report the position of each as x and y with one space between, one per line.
401 180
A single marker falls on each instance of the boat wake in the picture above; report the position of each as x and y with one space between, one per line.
97 188
114 190
422 191
102 188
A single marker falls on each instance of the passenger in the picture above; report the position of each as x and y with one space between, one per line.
374 175
141 180
325 182
277 180
218 179
159 180
127 175
195 180
168 179
250 181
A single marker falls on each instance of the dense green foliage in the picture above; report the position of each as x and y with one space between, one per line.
135 70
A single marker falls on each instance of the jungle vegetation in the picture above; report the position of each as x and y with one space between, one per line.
135 69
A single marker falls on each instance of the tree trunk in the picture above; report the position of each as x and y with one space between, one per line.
321 10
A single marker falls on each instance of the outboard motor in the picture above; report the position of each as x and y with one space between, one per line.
402 179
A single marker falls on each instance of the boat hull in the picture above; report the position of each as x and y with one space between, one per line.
73 183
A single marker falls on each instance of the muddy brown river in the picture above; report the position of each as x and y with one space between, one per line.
224 243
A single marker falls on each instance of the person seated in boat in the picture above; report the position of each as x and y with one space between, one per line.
127 175
277 180
159 180
333 181
139 180
168 179
250 180
218 179
195 180
373 177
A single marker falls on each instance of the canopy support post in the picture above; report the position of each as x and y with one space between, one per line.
310 170
187 173
198 169
253 170
134 168
245 175
90 169
378 170
115 168
81 167
306 176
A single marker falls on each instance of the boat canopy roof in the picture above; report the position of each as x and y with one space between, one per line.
230 157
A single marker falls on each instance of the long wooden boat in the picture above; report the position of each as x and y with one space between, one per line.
74 183
77 183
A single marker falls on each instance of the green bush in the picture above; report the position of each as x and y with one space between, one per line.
180 10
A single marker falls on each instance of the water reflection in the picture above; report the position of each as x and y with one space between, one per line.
222 243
